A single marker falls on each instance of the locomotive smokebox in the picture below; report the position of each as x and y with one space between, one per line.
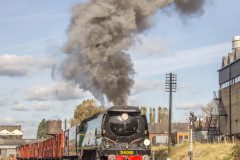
54 127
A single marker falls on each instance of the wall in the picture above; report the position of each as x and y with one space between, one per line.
182 137
6 151
160 139
225 104
236 108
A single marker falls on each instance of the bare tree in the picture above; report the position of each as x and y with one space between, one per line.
144 110
210 109
162 115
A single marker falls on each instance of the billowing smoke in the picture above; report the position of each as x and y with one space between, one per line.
187 7
98 34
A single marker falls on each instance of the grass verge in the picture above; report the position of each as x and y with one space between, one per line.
205 151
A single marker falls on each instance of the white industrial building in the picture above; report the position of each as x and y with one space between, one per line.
10 138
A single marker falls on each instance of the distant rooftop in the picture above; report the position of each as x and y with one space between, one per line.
10 132
18 141
159 128
10 128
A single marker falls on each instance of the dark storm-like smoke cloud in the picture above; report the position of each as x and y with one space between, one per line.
98 33
188 7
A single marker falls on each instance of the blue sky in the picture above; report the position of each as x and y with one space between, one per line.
32 34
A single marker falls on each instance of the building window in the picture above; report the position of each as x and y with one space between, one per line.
230 82
238 79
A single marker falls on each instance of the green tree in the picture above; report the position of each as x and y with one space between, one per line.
42 128
84 110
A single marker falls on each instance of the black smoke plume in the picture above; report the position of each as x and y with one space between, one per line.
188 7
98 33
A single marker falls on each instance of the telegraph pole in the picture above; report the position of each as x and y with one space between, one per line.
171 86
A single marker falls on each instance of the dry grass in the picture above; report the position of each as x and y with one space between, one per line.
217 151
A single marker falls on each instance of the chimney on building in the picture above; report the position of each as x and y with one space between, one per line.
231 57
235 54
236 42
236 47
224 61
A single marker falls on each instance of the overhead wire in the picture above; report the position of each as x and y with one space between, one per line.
181 102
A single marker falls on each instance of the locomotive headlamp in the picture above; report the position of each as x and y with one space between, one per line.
111 157
146 142
145 157
124 116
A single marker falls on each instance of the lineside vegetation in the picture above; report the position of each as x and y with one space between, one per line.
202 151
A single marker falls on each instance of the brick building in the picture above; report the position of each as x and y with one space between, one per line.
10 132
158 133
8 146
10 137
229 92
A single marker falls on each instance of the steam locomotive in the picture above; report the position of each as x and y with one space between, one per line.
118 133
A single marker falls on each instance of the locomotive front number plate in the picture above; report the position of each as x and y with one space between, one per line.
126 152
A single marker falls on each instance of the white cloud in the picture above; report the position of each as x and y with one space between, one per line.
190 106
28 17
145 85
42 107
20 107
18 66
180 60
7 120
2 100
11 121
28 46
56 91
6 100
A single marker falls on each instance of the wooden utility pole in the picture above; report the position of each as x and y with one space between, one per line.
171 86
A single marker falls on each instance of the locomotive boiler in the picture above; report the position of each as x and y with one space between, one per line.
118 133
